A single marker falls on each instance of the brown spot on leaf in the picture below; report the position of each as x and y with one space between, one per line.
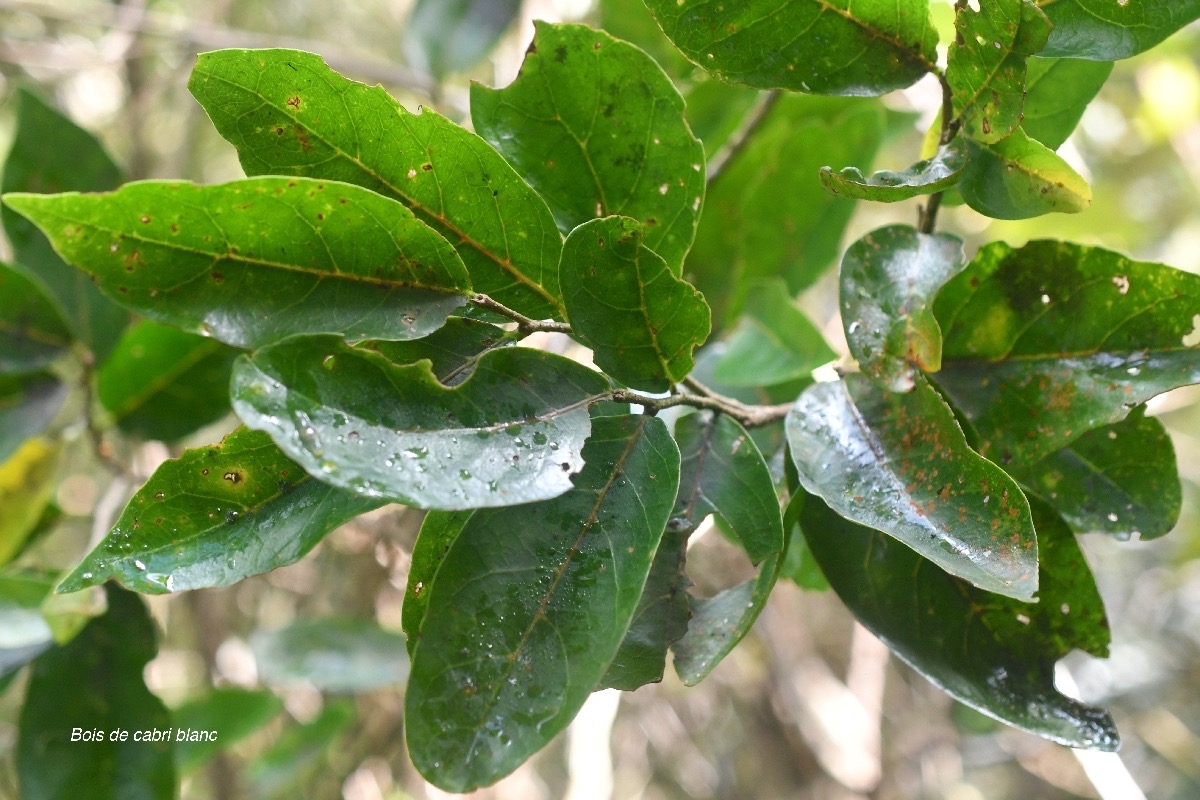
294 101
233 476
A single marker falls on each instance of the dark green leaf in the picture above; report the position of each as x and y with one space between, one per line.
1031 361
25 632
453 350
1019 177
288 113
511 433
624 302
444 36
27 482
899 463
28 404
531 604
1120 479
230 712
924 177
50 153
774 341
164 383
864 47
986 65
994 654
888 282
438 531
94 684
1103 30
32 331
1057 92
286 768
597 128
215 516
332 654
258 260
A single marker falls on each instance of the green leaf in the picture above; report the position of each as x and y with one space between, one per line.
1018 177
250 262
444 36
888 282
1120 479
94 684
27 482
215 516
630 21
899 463
1057 92
774 342
521 627
438 531
163 383
453 350
24 634
992 653
511 433
50 153
332 654
1101 30
28 404
288 765
1032 363
288 113
32 331
986 65
924 177
598 129
641 321
232 713
864 47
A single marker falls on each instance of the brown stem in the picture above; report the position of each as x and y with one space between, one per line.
524 323
927 218
748 416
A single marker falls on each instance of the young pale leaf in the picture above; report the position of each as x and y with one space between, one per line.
444 36
288 113
641 321
1120 479
1018 177
27 482
215 516
1107 30
438 531
94 684
453 350
164 383
232 712
28 404
924 177
255 261
50 153
32 331
888 281
597 128
986 65
899 463
992 653
864 47
1022 332
332 654
530 605
1057 92
511 433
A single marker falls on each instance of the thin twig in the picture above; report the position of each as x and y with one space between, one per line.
524 323
100 448
748 416
742 136
927 218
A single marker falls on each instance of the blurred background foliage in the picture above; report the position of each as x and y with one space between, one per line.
810 705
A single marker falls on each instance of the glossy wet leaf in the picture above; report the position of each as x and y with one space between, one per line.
866 47
28 404
986 65
1032 361
531 604
1057 92
233 713
258 260
288 113
28 478
333 654
1120 479
885 186
164 383
1019 177
990 652
32 330
640 320
774 342
50 153
215 516
888 281
511 433
95 683
444 36
1106 31
899 463
453 350
287 767
597 128
24 634
438 531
